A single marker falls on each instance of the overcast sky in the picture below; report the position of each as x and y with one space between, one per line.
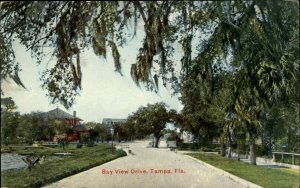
105 94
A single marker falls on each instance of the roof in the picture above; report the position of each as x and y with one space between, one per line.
60 114
110 120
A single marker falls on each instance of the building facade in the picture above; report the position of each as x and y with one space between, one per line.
77 128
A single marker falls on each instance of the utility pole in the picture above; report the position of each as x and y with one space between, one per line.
112 138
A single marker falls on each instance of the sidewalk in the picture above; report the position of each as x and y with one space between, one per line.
268 163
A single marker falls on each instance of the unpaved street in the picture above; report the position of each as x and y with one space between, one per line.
149 168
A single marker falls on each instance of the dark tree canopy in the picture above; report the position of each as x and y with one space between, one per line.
151 119
260 36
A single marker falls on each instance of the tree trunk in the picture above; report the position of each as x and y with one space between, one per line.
156 140
229 151
252 152
238 152
229 146
223 149
266 140
198 142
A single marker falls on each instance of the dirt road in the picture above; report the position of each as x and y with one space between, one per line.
149 168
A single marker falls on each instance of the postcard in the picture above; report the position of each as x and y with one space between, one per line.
150 94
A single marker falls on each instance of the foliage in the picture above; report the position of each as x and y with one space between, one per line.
188 146
207 98
150 119
34 127
72 27
241 46
122 131
287 158
101 131
232 27
60 126
63 143
172 135
10 121
251 45
79 145
87 140
31 127
283 124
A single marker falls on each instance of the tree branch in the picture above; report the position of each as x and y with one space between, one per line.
140 8
125 7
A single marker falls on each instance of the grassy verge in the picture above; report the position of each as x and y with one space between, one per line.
197 147
51 171
264 177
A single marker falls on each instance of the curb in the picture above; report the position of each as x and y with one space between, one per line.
224 173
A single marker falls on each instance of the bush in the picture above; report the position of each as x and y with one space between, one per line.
209 149
63 143
260 151
90 144
241 148
188 146
197 146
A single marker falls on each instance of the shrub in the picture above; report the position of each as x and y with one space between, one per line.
188 146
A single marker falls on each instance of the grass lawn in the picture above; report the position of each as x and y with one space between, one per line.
50 171
264 177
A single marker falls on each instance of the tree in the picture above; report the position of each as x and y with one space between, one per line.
34 127
71 27
122 131
129 129
103 25
151 119
61 127
221 108
262 72
281 126
10 120
102 131
257 41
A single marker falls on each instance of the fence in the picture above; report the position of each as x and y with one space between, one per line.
289 158
124 146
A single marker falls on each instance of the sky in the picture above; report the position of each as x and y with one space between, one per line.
105 93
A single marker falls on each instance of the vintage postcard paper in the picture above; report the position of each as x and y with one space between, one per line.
147 94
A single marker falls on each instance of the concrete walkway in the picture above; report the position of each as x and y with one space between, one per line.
149 168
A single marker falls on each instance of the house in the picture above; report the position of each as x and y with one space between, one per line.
61 115
112 122
77 128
